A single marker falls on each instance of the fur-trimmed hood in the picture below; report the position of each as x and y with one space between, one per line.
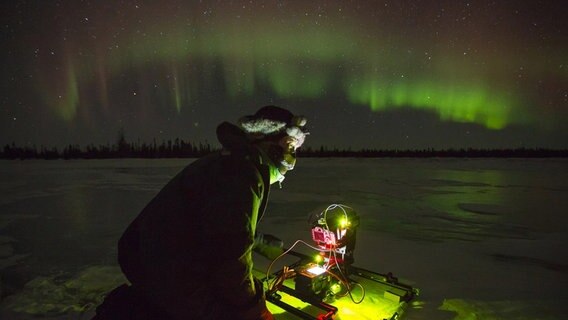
275 122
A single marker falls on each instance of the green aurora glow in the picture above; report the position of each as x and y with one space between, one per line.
300 60
167 59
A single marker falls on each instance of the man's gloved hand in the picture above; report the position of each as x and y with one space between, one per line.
268 245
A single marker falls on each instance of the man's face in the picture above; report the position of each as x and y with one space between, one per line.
289 146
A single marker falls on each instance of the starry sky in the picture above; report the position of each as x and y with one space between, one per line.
367 74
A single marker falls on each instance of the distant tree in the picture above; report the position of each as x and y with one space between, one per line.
123 148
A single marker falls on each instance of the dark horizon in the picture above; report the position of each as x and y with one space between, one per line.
179 148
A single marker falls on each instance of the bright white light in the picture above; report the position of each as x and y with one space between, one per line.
317 270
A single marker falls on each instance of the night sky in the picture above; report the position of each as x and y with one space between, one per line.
377 74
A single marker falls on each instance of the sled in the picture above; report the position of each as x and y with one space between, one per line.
385 297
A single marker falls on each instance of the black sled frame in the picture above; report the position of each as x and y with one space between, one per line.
404 292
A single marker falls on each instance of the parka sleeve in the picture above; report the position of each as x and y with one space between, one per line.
229 229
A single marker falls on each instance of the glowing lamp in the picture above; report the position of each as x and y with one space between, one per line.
316 270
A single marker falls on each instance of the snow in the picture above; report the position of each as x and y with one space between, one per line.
481 238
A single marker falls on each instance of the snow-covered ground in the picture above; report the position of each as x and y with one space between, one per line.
481 238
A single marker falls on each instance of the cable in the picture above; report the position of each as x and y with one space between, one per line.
279 281
286 272
344 280
288 250
349 291
346 283
331 252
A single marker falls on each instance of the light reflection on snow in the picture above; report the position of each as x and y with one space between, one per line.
476 236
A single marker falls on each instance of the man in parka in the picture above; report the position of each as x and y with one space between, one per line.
188 253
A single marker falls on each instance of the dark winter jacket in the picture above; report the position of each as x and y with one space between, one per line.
189 250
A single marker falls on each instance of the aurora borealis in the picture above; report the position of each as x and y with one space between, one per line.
384 74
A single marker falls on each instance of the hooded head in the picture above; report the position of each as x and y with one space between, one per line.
279 132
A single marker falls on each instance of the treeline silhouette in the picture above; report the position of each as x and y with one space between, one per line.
179 148
166 149
433 153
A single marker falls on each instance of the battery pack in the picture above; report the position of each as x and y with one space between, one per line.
311 280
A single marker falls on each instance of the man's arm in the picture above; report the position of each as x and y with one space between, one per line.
229 228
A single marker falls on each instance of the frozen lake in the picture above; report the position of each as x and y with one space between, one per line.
481 238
